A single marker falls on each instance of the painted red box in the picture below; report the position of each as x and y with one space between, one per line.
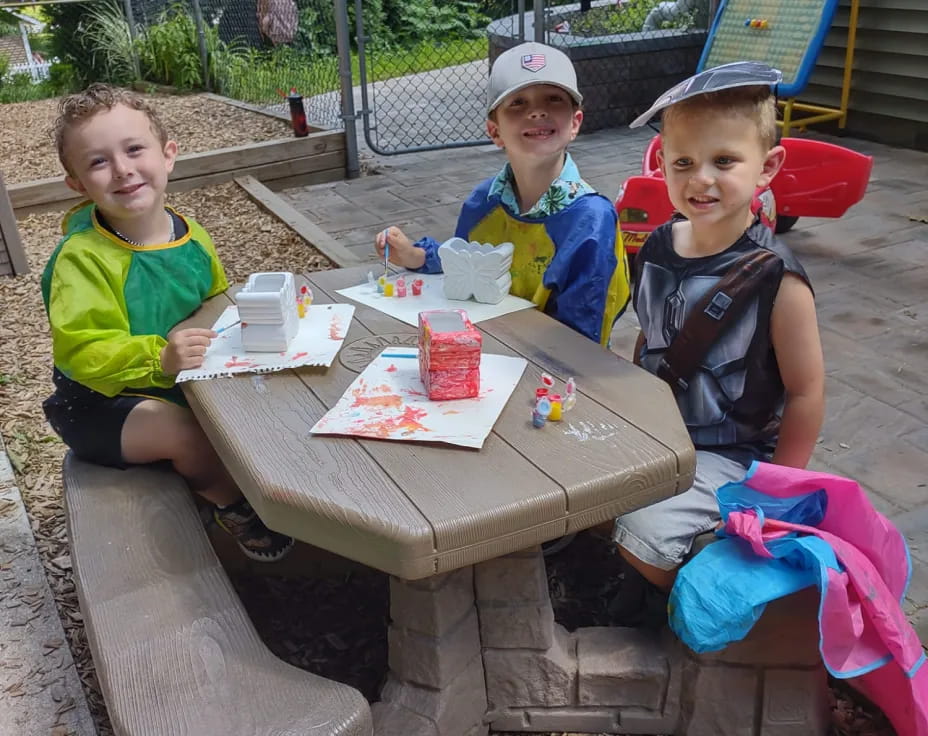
449 354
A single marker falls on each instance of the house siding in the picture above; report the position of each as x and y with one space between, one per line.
889 86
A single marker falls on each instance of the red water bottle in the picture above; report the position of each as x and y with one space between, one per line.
297 114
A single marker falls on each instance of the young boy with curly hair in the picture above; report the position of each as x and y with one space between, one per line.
127 270
758 391
569 258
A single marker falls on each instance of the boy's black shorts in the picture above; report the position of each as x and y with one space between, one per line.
89 422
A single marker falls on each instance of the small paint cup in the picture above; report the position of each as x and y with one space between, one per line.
556 407
388 289
538 419
417 287
541 392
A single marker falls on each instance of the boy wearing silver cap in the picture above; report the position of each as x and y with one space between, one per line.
569 258
727 315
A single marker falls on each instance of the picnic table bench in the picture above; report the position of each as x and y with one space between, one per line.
173 647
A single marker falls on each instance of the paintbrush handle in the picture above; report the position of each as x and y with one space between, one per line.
386 249
223 329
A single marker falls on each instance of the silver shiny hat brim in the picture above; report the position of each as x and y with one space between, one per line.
726 76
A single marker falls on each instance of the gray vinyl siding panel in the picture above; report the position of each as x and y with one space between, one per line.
890 76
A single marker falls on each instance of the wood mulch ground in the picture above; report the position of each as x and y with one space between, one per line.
344 636
197 123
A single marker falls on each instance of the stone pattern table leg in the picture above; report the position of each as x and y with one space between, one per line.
542 678
436 682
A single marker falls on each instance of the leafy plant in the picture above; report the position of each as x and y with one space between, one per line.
70 42
629 17
9 23
63 78
413 21
114 52
19 88
169 51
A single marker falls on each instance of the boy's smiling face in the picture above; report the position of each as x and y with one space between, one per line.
537 121
712 164
117 160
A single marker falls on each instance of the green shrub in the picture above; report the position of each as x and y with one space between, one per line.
108 30
19 88
70 42
63 78
169 52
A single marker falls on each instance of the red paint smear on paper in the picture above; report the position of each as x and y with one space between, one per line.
369 398
391 401
236 363
413 392
391 369
299 355
451 411
335 329
405 424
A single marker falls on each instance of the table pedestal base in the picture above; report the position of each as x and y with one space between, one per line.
479 648
436 682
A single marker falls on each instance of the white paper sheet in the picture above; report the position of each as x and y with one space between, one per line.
388 401
318 341
407 308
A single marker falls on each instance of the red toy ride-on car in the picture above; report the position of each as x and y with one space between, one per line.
817 180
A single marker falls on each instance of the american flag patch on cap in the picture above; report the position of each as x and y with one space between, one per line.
533 62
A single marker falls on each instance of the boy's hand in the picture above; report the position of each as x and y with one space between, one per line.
185 349
402 251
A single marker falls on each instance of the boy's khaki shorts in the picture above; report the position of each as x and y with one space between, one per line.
662 534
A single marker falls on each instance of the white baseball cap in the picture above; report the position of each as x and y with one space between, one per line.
527 64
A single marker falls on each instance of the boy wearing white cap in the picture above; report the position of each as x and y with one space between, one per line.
569 258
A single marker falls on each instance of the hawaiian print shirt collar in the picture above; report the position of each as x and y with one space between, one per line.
567 187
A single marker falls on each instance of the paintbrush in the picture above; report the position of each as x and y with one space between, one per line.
386 251
223 329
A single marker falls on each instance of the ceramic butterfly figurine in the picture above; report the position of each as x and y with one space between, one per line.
475 269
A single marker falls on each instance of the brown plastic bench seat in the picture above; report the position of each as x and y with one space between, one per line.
174 649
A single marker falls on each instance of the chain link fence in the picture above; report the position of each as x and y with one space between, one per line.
419 67
625 53
254 51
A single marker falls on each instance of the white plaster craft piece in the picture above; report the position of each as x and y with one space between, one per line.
319 337
477 269
268 311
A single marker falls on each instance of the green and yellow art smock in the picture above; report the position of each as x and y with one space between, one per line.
111 304
569 258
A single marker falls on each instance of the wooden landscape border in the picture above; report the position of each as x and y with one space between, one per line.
13 260
298 222
266 111
314 159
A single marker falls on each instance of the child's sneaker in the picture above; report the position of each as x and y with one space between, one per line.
256 540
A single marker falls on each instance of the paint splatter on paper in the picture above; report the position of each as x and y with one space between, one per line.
335 328
387 401
318 341
234 362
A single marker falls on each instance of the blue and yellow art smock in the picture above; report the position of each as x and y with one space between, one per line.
569 258
111 304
